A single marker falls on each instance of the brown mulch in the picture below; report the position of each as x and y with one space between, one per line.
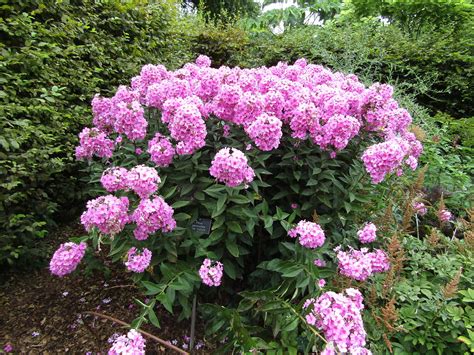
40 313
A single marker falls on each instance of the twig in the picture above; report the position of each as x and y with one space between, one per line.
151 336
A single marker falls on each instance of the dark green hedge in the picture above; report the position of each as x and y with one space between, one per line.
54 57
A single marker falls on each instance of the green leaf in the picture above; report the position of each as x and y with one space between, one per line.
152 288
181 216
268 221
229 269
153 318
239 199
232 247
221 202
179 204
233 226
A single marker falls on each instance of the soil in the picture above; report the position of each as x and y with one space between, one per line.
40 313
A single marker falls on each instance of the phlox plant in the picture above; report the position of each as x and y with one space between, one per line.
281 161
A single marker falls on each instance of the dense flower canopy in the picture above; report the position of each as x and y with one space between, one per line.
304 101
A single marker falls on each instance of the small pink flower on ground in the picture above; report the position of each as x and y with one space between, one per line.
138 151
211 272
321 283
367 234
66 258
294 206
8 348
203 61
132 343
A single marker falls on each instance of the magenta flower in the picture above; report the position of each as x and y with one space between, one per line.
310 234
66 258
138 261
132 343
230 166
367 234
445 215
211 272
8 348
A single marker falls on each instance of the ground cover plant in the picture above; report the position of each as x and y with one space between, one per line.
282 161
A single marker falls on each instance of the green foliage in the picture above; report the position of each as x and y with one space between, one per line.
303 11
223 43
214 9
413 14
430 322
448 151
436 66
54 56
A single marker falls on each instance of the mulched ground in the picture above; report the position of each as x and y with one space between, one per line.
40 313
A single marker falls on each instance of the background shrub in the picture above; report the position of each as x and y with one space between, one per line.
54 57
435 64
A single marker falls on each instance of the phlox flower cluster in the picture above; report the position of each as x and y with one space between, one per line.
420 208
361 264
107 213
319 262
445 215
338 315
138 261
152 215
121 114
161 150
211 272
66 258
367 234
337 132
130 344
114 179
185 123
387 157
265 131
143 180
230 166
310 235
94 142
